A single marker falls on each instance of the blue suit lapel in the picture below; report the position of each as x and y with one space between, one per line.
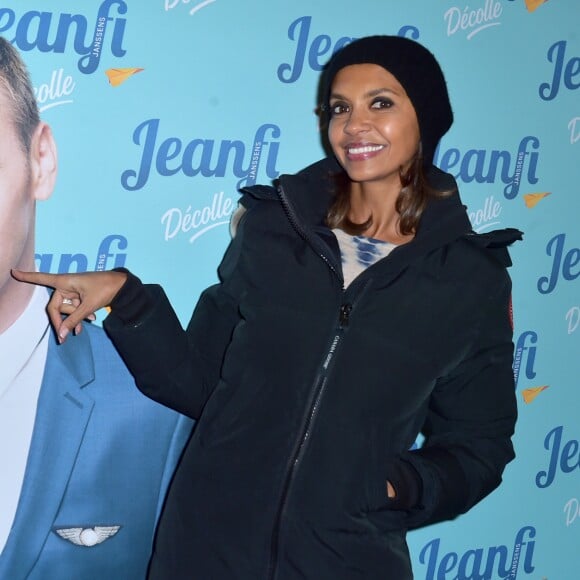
61 418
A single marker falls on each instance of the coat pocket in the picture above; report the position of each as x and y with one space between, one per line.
391 513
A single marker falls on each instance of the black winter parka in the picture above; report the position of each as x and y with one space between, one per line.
309 396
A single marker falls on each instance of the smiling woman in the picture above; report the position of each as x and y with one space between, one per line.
372 118
388 107
320 356
374 135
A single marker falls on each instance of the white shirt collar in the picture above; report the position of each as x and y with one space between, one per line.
18 341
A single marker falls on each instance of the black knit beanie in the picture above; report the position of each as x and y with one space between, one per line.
418 72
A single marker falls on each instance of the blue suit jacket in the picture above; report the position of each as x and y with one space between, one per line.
101 456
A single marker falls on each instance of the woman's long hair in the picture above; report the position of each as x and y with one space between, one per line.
410 205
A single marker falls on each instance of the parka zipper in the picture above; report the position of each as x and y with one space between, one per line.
310 240
305 432
317 390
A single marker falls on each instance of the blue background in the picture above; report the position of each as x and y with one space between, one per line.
211 72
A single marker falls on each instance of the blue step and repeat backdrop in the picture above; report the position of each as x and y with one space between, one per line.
162 109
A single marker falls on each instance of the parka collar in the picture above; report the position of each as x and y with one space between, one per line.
308 195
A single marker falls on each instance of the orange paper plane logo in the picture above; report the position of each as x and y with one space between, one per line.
532 199
532 5
530 394
118 76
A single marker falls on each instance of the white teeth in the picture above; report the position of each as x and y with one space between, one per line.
365 149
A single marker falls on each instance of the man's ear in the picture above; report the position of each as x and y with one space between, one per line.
43 162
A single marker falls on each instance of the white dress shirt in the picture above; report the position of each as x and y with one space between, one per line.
23 348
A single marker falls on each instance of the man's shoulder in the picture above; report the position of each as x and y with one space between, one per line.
93 364
104 353
109 382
